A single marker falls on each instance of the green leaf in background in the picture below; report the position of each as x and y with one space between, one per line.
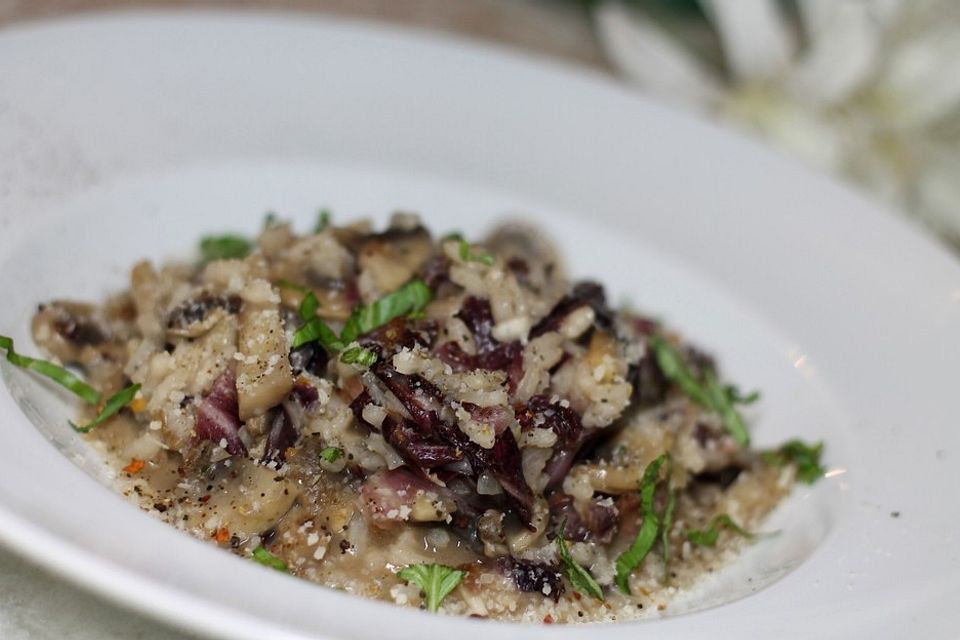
225 247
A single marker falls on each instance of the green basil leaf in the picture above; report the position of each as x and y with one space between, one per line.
647 536
708 392
578 576
323 221
467 254
55 372
436 581
309 306
225 247
805 456
359 356
111 408
409 298
331 454
267 559
317 329
708 537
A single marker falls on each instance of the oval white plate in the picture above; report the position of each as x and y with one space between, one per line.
130 135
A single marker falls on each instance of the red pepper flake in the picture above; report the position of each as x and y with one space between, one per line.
222 535
548 619
135 466
204 499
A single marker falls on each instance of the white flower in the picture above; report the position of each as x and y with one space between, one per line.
869 89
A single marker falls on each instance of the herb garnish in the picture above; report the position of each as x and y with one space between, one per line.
647 536
436 581
111 408
805 456
410 298
314 328
225 247
359 356
323 221
578 576
707 392
264 557
331 454
708 537
55 372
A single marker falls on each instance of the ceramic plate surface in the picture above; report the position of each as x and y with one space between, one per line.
131 135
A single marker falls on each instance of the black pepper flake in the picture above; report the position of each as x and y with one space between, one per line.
894 514
160 507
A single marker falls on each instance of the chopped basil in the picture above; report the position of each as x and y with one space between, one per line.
331 454
467 254
309 306
270 219
323 221
314 328
578 576
317 329
805 456
708 392
410 298
436 581
264 557
647 536
708 537
225 247
359 356
111 408
55 372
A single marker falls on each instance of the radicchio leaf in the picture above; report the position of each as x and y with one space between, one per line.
218 416
534 577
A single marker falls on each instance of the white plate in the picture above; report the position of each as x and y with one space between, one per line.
130 135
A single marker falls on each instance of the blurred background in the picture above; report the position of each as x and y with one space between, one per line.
867 90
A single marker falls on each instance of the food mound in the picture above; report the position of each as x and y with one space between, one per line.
435 423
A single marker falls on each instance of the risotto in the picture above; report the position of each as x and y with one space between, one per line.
432 422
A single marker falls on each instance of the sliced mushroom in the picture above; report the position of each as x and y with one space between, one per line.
388 260
264 376
197 315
